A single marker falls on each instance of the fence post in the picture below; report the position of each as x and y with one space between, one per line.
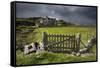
43 40
78 39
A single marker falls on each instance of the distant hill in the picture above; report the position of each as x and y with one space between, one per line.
45 21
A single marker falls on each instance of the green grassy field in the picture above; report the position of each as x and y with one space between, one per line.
45 58
67 30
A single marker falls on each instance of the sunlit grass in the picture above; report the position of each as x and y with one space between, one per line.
46 57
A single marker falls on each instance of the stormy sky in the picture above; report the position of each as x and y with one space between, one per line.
74 14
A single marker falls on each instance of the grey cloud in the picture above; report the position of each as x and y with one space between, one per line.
68 13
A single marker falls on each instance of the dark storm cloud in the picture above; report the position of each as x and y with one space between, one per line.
68 13
88 12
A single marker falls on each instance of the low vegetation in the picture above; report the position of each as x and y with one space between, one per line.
32 34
